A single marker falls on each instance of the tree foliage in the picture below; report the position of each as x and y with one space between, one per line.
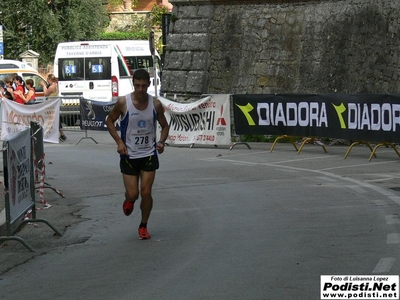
40 25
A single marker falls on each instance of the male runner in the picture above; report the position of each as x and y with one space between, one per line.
137 144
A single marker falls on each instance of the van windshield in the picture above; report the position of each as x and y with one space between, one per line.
93 68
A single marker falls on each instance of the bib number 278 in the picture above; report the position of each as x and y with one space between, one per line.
141 140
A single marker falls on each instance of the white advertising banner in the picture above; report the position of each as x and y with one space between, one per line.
206 121
19 166
16 117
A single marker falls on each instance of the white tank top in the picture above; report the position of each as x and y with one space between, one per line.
138 129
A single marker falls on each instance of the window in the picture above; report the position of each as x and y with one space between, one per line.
36 80
98 68
35 77
122 69
142 62
9 66
70 69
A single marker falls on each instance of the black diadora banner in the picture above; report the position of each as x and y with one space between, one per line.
363 117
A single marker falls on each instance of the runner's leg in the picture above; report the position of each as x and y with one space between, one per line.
131 183
146 205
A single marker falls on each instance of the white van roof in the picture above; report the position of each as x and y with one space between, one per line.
14 64
133 47
84 48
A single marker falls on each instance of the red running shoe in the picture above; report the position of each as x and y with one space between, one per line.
127 207
143 234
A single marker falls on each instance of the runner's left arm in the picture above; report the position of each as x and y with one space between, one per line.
163 123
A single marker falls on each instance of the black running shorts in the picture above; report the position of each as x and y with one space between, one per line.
134 166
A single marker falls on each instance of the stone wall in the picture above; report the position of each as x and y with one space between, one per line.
282 46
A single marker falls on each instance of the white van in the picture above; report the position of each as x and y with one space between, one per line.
138 56
94 70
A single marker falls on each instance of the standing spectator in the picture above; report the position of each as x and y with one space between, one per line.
50 89
19 90
30 96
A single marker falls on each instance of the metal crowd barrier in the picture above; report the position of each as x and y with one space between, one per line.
20 207
70 115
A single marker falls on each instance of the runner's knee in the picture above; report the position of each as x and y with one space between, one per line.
131 196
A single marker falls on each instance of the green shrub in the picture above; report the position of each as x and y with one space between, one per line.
254 138
138 35
156 14
267 138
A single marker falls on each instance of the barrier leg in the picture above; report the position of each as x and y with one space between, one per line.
17 238
358 143
46 185
310 139
395 149
38 221
322 145
282 137
239 143
86 137
303 143
383 144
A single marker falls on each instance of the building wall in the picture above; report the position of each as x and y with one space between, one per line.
147 5
266 46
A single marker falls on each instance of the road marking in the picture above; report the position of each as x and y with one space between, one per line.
360 165
379 202
357 189
395 198
393 238
382 179
322 172
384 265
242 164
328 179
392 219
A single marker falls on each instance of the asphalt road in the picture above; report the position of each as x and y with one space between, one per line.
226 224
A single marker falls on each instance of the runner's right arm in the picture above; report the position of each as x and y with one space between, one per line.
118 111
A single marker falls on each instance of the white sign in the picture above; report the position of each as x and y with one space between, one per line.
360 287
16 117
206 121
19 166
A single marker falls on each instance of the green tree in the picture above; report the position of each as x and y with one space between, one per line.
41 24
